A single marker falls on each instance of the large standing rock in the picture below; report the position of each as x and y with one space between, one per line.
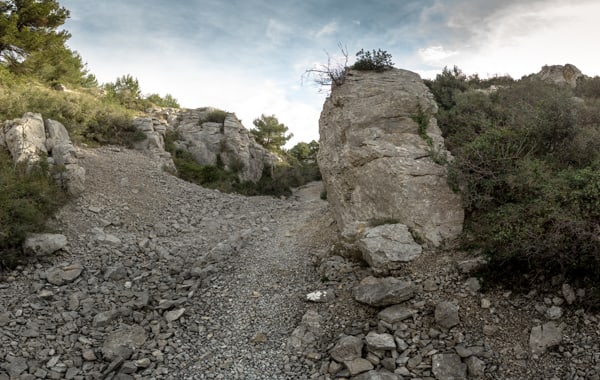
63 153
376 165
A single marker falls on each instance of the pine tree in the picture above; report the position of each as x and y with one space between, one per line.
270 133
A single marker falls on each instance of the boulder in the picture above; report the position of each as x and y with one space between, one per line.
567 74
446 314
383 291
44 244
388 246
25 138
376 161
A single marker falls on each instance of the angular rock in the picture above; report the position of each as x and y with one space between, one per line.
369 141
475 367
545 336
104 318
61 275
304 337
383 291
115 273
448 367
358 366
396 313
380 342
446 315
377 375
554 312
347 349
388 246
123 342
173 315
44 244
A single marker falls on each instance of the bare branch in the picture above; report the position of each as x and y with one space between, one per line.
330 74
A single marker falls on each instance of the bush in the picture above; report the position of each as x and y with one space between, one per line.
216 116
377 60
527 160
28 197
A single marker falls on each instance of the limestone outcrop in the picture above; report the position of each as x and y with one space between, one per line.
30 137
567 74
210 140
378 163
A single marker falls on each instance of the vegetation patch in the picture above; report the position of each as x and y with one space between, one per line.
532 199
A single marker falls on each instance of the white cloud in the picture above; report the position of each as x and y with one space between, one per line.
434 55
277 32
327 30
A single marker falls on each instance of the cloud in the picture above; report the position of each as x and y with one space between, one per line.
327 30
434 55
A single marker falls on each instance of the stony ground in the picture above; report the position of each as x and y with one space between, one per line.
162 279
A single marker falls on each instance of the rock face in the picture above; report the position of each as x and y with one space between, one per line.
567 74
210 140
377 166
30 137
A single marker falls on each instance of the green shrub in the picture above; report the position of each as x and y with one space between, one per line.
28 197
377 60
216 116
527 160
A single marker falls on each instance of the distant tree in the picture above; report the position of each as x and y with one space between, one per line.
447 85
270 133
166 101
377 60
305 151
125 91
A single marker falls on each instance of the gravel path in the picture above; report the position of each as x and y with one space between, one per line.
176 282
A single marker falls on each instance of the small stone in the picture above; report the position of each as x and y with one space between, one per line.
389 364
44 244
554 313
544 337
259 337
61 275
462 351
473 285
485 303
358 366
446 314
143 363
128 368
448 367
475 367
380 342
489 330
569 294
46 294
4 319
430 285
104 318
89 355
347 349
396 313
173 315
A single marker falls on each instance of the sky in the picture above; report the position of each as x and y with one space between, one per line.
249 56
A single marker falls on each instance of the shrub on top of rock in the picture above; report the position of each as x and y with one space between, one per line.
377 60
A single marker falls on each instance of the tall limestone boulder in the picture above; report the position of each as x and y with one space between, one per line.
377 166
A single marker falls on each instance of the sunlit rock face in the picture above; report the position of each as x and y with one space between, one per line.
379 164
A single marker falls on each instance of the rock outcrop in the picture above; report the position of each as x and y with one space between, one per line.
567 74
210 140
378 163
30 138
